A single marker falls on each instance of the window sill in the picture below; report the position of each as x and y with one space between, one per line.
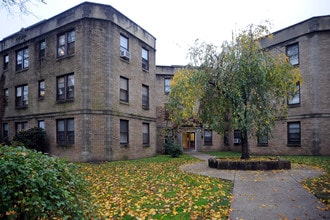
41 98
145 70
294 105
22 70
21 107
64 57
124 145
64 101
262 145
64 145
145 107
146 145
123 102
293 145
210 144
126 60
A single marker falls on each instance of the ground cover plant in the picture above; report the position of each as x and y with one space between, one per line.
155 188
319 186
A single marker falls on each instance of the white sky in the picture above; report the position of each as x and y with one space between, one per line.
176 24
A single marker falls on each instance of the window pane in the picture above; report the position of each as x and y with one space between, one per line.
70 87
296 97
292 52
123 42
145 95
70 124
18 91
60 125
167 85
19 57
71 36
123 83
42 88
144 54
42 45
61 40
25 95
41 124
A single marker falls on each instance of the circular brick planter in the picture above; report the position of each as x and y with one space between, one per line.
227 164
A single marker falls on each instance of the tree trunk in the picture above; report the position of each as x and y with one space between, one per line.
245 145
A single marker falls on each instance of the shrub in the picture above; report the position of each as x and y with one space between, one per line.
172 149
33 138
36 186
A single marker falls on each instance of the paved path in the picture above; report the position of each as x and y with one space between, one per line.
267 195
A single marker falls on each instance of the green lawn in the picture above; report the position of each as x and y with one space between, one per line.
319 186
155 188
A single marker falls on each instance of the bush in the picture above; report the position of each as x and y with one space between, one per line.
36 186
172 149
34 138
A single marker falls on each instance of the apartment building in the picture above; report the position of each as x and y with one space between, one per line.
88 77
85 76
306 130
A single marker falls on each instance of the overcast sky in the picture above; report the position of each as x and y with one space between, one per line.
176 24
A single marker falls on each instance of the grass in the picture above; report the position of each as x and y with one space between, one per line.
319 186
155 188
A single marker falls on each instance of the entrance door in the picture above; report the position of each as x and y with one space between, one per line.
188 140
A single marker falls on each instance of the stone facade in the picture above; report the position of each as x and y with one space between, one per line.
96 63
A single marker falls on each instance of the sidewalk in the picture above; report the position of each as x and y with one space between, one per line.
267 194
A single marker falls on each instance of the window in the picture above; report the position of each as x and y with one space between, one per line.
292 51
123 89
296 98
6 96
41 124
294 133
145 97
124 132
65 131
65 87
41 89
124 53
5 62
166 112
22 59
21 126
145 59
42 49
237 137
167 85
5 132
66 44
207 137
145 131
22 94
263 140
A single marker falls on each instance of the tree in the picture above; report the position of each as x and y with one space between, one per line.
242 86
21 5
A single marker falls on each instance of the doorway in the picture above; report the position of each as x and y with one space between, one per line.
188 141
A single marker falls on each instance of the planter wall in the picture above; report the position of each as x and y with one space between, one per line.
225 164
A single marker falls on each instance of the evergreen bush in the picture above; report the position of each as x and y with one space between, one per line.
33 138
172 149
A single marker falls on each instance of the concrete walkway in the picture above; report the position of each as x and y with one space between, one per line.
267 194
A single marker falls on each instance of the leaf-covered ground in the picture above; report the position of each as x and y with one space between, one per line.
155 188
